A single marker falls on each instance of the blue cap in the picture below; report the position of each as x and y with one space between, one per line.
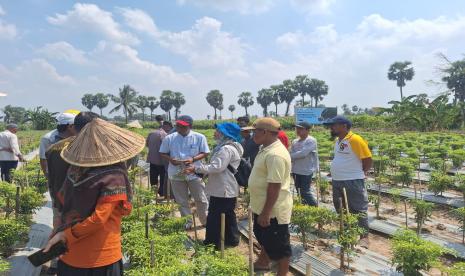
230 130
338 120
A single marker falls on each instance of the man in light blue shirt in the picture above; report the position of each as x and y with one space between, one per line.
181 149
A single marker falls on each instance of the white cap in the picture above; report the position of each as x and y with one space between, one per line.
67 117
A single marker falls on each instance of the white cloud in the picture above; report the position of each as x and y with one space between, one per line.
139 21
90 18
62 50
2 11
241 6
7 31
322 36
313 6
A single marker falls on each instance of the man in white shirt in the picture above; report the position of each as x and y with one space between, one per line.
304 156
9 151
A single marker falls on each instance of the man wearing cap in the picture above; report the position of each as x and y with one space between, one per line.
270 196
9 151
184 148
250 147
351 163
158 165
64 129
304 156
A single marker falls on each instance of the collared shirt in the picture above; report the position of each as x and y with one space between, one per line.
47 140
221 181
153 143
250 149
348 155
9 140
304 155
272 165
183 148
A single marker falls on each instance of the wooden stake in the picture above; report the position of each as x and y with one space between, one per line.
317 182
341 230
223 217
406 217
195 225
308 269
17 203
146 225
346 200
152 253
251 272
168 190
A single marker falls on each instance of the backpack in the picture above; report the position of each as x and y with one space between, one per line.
242 172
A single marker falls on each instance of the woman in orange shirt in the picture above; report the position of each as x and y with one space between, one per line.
94 198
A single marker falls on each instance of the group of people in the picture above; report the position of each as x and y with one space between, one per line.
86 160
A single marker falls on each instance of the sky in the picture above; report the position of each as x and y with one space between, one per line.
54 51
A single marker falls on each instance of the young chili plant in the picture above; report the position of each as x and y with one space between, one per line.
460 215
439 182
350 235
423 211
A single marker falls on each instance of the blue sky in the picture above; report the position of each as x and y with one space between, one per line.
52 52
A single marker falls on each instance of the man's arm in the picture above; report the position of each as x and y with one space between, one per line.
171 160
272 194
307 148
367 163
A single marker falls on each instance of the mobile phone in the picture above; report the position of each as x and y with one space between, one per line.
39 258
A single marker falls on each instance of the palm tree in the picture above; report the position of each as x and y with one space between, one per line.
125 100
287 94
245 100
302 85
317 89
231 108
153 104
265 98
220 108
276 99
142 103
401 72
101 101
88 100
166 102
13 114
454 78
215 99
178 101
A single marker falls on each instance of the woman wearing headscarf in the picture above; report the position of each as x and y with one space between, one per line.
94 197
222 187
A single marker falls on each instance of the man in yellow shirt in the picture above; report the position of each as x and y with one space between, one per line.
351 163
270 196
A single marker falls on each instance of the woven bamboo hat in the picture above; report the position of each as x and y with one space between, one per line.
101 143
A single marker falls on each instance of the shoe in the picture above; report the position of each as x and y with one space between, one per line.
364 242
189 225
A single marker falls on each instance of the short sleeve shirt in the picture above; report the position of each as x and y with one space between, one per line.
348 155
182 148
272 165
47 141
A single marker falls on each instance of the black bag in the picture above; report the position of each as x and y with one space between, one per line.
242 172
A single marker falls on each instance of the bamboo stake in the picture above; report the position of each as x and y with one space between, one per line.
341 230
146 225
308 269
406 217
152 253
195 225
7 213
317 186
168 190
17 203
346 200
250 243
222 234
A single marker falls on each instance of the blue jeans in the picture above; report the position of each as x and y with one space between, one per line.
302 185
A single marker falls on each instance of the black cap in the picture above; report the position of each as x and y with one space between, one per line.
305 125
338 120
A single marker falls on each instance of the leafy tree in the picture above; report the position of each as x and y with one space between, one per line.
231 109
220 108
215 99
88 100
302 86
125 100
454 78
265 98
287 94
101 101
276 98
14 114
401 72
178 101
355 109
439 182
166 102
41 118
245 100
142 103
317 89
153 104
346 109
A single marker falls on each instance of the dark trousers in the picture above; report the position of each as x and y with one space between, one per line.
155 172
357 198
115 269
217 206
302 185
6 167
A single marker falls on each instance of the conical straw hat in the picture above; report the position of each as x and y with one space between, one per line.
101 143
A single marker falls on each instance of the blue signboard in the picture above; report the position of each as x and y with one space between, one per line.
314 115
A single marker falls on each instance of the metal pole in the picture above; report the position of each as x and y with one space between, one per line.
223 217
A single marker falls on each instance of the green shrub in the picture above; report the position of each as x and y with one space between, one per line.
405 173
395 196
460 215
171 225
458 269
303 221
350 235
11 231
30 200
4 267
412 254
423 211
439 182
458 157
208 262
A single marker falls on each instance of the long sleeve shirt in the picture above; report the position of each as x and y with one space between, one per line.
9 146
304 156
96 241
